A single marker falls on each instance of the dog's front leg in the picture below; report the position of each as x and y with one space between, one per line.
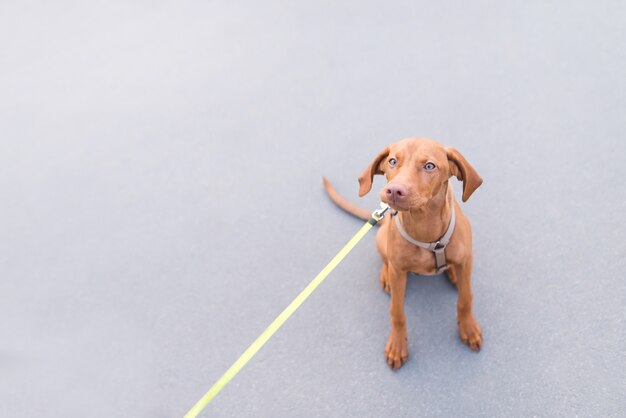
396 350
469 330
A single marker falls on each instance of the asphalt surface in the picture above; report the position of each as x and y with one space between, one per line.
160 172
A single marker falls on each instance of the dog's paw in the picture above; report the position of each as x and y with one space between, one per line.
396 350
470 333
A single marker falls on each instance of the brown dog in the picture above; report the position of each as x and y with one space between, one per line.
417 171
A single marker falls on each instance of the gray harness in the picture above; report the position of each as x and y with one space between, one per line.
438 247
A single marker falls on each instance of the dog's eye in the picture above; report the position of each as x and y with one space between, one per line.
393 162
429 166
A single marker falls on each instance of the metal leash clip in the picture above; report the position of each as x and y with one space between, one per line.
378 214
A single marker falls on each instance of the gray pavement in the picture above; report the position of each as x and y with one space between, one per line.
160 171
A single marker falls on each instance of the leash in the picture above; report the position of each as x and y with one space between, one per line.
376 216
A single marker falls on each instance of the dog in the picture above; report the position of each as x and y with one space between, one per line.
427 234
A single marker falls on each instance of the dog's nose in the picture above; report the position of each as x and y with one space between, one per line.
396 192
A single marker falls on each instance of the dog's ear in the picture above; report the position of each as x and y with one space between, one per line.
366 179
462 170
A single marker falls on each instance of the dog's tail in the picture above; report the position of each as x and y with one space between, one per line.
345 204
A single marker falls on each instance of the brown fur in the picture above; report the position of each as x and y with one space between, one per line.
424 210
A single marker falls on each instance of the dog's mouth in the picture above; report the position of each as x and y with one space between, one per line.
395 205
398 207
405 205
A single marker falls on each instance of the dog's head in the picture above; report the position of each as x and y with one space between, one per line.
417 169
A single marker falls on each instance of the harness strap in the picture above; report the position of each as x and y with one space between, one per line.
437 247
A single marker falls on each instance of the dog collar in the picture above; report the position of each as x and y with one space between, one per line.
437 247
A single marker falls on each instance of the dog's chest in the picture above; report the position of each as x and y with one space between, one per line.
414 259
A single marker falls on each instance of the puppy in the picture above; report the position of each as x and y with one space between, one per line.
427 233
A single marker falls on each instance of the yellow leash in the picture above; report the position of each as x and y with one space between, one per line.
284 315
